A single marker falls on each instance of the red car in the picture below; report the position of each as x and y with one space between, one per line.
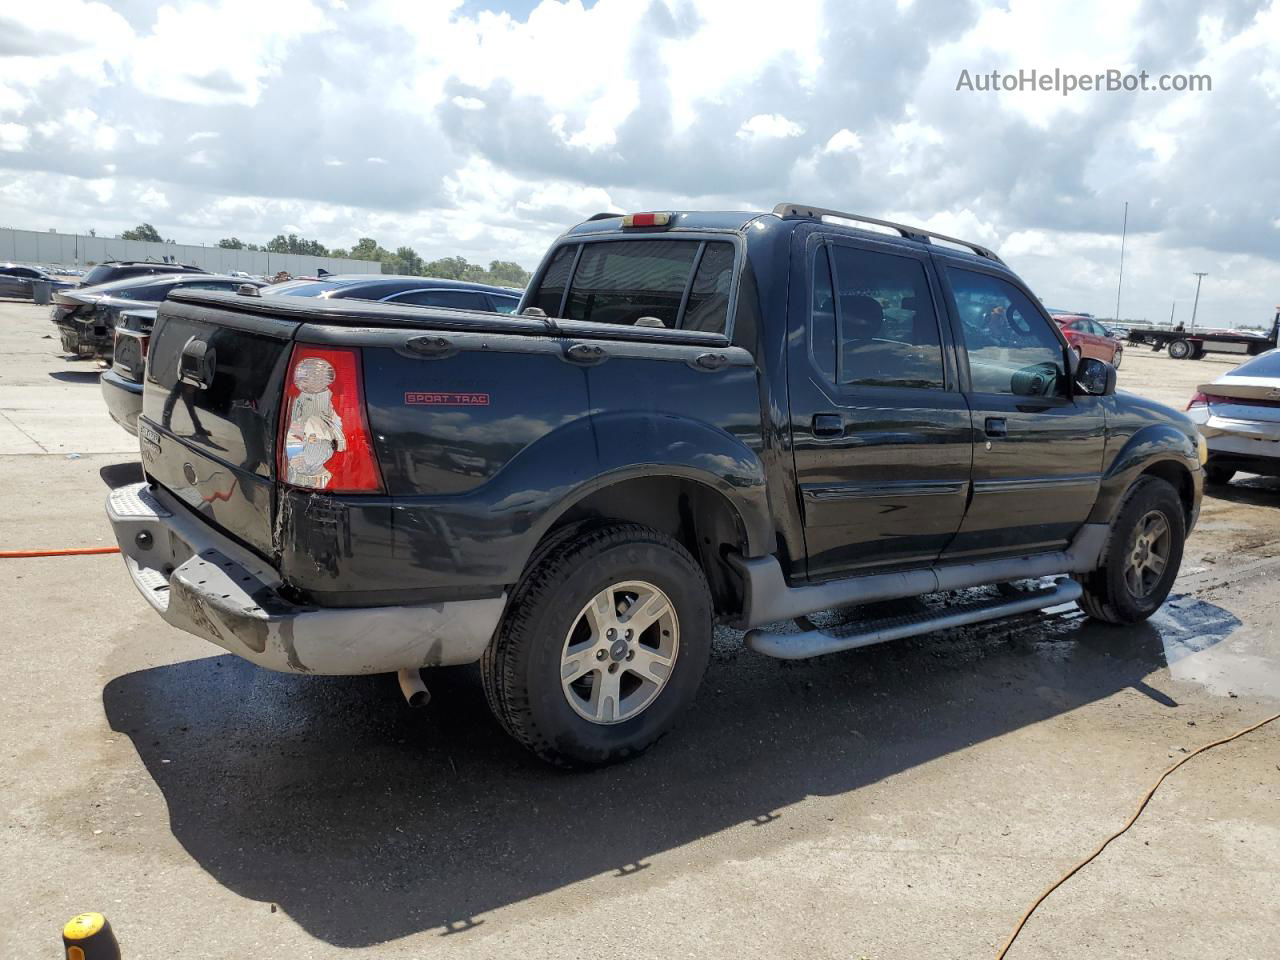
1089 338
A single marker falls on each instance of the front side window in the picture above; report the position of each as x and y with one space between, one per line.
504 304
680 284
887 329
1010 346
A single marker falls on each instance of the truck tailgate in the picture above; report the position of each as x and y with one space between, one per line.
211 401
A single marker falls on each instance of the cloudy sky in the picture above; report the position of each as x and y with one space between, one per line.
484 127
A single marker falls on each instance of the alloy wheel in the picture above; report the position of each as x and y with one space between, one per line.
620 652
1148 554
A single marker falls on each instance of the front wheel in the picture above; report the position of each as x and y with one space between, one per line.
1142 556
602 647
1116 358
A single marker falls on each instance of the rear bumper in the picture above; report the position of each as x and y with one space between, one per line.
207 585
124 399
1250 445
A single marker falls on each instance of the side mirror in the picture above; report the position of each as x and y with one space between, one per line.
1095 378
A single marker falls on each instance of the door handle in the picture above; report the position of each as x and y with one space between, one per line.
828 425
997 427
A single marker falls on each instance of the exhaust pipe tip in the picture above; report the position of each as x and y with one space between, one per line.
415 691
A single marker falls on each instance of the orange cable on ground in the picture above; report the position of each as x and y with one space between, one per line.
1133 819
66 552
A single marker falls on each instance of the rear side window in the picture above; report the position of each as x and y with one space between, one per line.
887 326
684 284
457 299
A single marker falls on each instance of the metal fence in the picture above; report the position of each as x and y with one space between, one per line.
77 251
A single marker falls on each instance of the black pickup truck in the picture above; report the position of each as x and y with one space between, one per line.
695 417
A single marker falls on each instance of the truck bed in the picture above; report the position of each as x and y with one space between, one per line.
484 428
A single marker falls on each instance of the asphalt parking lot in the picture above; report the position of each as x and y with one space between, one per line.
907 800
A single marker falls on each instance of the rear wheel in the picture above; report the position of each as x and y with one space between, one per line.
1180 349
1142 556
603 646
1217 475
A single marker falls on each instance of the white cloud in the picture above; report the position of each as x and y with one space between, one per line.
768 126
456 129
13 137
843 141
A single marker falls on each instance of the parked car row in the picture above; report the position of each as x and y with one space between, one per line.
113 321
18 281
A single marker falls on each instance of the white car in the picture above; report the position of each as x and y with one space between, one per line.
1239 417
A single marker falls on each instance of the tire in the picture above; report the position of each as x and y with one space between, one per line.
1108 594
1116 358
1180 349
1219 476
576 724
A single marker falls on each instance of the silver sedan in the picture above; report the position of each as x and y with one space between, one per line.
1239 417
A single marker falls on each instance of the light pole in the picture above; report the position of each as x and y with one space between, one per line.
1124 230
1199 276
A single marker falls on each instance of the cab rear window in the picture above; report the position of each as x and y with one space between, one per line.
680 284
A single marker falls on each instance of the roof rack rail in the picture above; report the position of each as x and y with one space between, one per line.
601 216
803 211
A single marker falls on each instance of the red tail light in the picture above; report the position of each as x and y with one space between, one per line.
1204 399
325 443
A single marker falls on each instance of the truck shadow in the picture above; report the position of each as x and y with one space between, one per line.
366 821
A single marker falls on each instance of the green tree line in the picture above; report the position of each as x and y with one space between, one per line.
404 260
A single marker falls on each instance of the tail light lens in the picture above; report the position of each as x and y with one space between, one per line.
1204 399
325 443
